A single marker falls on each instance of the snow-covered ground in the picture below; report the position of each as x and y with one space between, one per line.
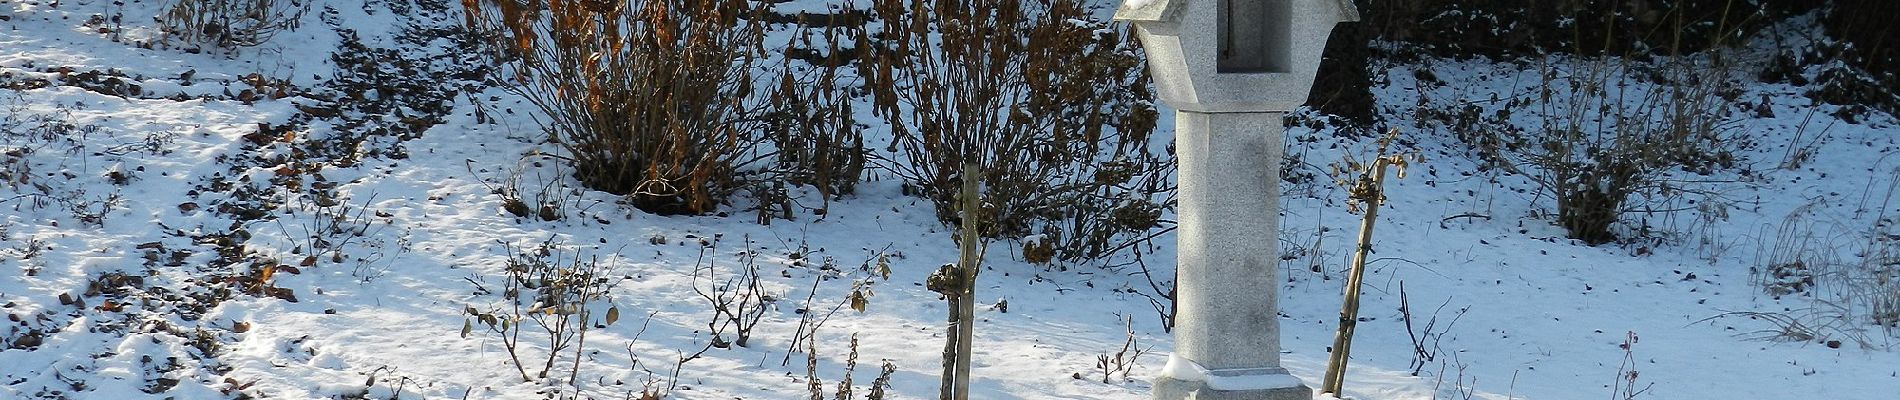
114 287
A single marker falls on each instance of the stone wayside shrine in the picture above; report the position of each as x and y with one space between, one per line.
1231 69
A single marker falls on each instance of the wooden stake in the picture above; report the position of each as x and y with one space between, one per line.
1373 191
970 260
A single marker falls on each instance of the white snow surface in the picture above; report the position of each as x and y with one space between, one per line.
1546 317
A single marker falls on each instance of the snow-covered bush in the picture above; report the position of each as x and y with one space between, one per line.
1605 137
1508 28
1856 91
230 24
1402 31
1049 102
1867 42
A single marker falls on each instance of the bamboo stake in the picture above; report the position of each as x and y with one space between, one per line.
1371 190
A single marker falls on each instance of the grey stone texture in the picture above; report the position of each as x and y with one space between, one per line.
1182 41
1168 388
1228 231
1228 280
1228 128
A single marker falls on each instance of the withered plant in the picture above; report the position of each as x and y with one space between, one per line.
817 141
553 292
1611 136
1050 104
1612 133
230 24
652 99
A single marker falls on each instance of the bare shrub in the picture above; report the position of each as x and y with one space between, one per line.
1463 385
1052 105
1681 125
817 140
650 98
1610 137
662 101
1621 128
554 293
1123 360
1626 386
1427 340
230 24
737 302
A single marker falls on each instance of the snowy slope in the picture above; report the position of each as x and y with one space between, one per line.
419 237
